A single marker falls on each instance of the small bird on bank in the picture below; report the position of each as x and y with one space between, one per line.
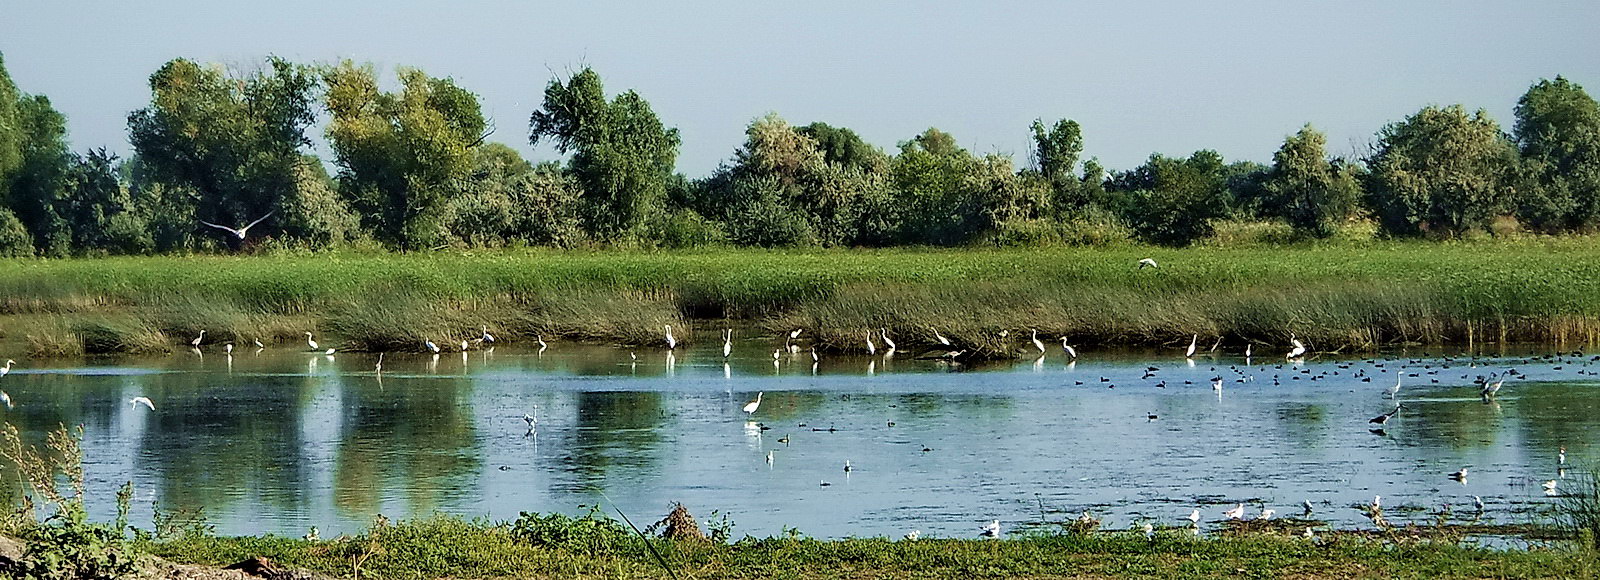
1147 263
136 401
1265 515
990 530
913 535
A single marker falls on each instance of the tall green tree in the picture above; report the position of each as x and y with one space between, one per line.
621 152
232 141
37 186
1558 131
945 196
401 153
1172 201
1313 194
10 127
99 208
1441 172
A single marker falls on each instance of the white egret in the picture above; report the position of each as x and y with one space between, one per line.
1392 391
1071 352
329 352
814 354
433 348
378 368
750 407
228 348
1561 456
672 343
1489 389
1147 263
240 233
1549 487
990 530
1237 513
884 334
1299 348
136 401
1192 340
196 342
871 348
486 336
1265 515
1039 344
257 343
727 342
311 343
5 370
542 345
4 398
777 352
464 345
1247 351
940 337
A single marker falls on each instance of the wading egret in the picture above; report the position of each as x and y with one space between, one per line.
5 370
814 354
750 407
196 342
256 342
4 398
1237 513
1039 344
990 530
1147 263
1392 391
871 348
1194 517
542 345
884 334
940 337
1192 340
486 336
378 368
464 345
311 343
1489 389
136 401
672 343
1298 350
1071 352
240 233
433 348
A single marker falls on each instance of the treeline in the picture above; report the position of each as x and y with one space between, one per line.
413 169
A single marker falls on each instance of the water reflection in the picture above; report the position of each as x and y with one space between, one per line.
278 441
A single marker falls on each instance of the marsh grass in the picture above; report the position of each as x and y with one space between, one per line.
1332 294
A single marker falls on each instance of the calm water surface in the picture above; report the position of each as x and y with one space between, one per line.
281 440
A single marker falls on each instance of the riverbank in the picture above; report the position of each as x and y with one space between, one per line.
1341 296
447 547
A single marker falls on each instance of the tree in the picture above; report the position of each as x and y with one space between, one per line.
36 187
10 126
234 142
1558 131
1440 172
400 154
99 208
843 147
1173 201
946 196
621 153
1308 191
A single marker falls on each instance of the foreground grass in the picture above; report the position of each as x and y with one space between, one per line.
446 547
1340 295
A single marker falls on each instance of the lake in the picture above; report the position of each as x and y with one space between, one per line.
281 440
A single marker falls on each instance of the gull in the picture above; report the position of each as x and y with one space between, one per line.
990 530
1039 344
1147 263
1460 476
7 369
433 348
1190 352
1236 513
750 407
239 233
1071 352
136 401
5 398
1478 501
196 342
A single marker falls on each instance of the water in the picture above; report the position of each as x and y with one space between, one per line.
281 440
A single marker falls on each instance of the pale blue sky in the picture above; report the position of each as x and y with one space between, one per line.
1141 77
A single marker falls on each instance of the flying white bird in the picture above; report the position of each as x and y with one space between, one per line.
1147 263
1071 352
990 530
1039 344
196 342
1236 513
311 343
750 407
1192 341
136 401
239 233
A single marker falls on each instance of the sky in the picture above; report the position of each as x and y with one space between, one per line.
1141 77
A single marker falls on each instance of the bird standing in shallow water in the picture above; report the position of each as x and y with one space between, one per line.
990 530
1190 353
884 334
672 343
1384 418
311 343
196 342
1071 352
1392 391
1039 344
1237 513
750 407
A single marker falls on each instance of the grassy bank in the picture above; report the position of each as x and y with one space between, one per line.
446 547
1350 295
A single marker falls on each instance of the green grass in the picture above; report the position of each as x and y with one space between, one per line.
1345 294
442 547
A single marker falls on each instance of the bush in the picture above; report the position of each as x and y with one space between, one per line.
593 533
14 238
